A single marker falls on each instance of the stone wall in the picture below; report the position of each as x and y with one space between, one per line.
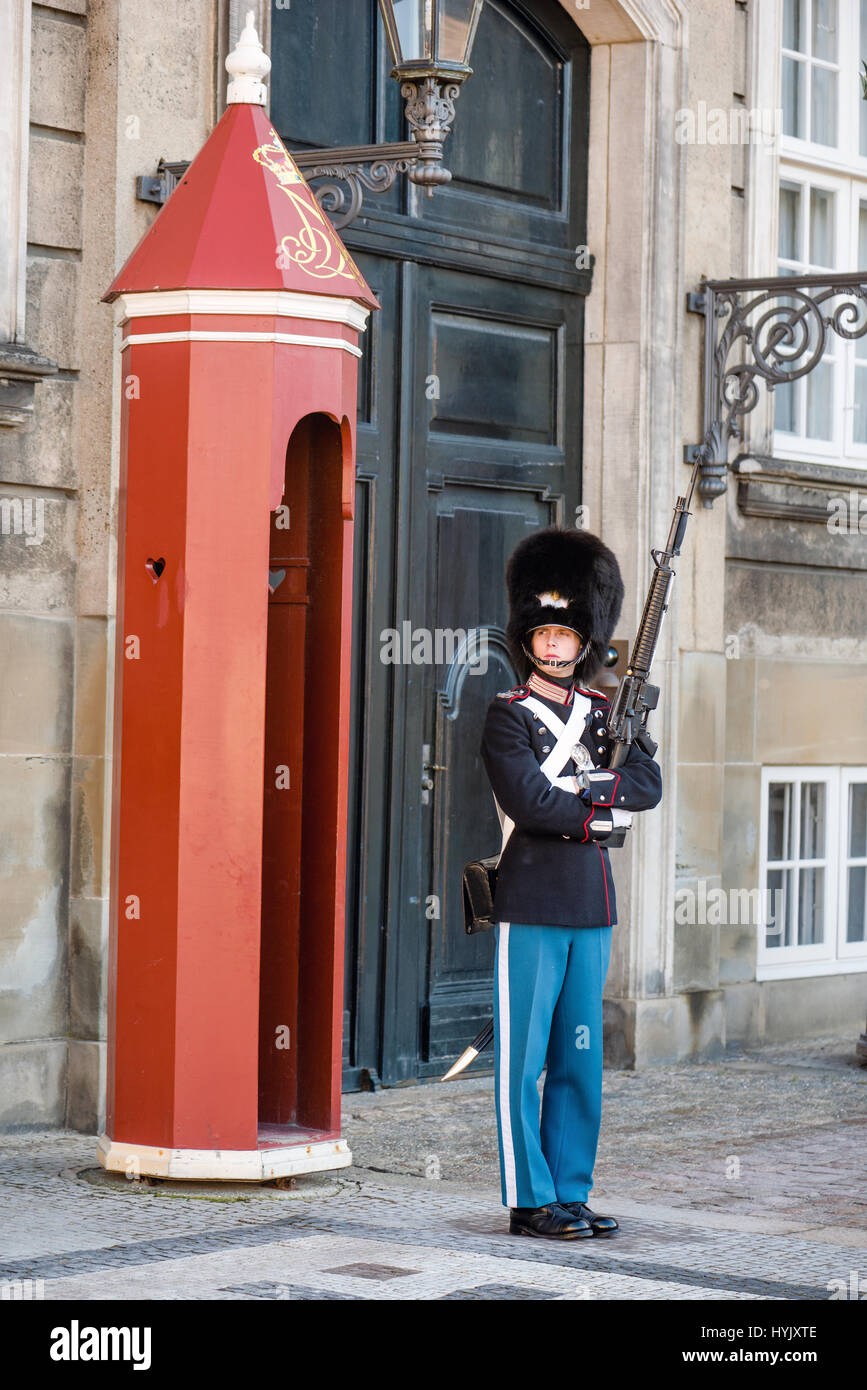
114 86
795 667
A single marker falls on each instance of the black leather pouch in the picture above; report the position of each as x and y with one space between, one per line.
479 882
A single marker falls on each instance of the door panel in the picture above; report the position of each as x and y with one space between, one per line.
463 820
515 469
376 492
483 154
493 377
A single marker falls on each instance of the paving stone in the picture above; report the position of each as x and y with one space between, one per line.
783 1222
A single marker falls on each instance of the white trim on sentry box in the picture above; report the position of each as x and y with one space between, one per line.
197 335
289 303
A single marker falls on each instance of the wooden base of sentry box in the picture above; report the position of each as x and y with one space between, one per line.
227 1165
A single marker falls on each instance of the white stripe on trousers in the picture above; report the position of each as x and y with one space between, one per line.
503 1074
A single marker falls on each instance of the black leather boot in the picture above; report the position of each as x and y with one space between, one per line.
553 1222
600 1225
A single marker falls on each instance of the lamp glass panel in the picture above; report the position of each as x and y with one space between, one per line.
414 21
455 24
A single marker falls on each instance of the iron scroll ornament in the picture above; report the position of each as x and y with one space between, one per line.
777 331
376 174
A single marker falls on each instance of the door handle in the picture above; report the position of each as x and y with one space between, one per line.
427 782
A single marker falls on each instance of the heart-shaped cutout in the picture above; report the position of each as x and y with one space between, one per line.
155 568
275 579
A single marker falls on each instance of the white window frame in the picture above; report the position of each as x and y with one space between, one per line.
16 24
845 156
847 950
796 446
841 169
834 955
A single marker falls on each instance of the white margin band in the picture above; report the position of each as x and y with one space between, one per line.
230 1165
201 335
288 303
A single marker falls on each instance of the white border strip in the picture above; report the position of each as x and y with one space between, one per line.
292 304
228 1165
201 335
503 1078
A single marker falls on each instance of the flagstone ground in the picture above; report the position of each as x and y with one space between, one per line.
741 1179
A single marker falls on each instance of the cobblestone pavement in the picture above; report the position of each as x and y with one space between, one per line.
743 1179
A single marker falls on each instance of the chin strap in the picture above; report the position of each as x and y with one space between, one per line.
564 667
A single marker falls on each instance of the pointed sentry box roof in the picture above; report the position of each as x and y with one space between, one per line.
243 218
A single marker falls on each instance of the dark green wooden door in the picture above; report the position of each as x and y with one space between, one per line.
469 436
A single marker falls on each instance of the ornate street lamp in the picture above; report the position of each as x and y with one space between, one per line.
430 43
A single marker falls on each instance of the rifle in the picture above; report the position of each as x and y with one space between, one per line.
635 698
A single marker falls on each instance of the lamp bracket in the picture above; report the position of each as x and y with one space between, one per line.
773 330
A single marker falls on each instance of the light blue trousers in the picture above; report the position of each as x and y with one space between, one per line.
548 985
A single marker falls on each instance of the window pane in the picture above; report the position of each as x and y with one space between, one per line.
821 228
793 25
857 820
862 105
823 107
786 408
780 904
794 98
780 844
812 820
820 401
811 893
825 29
790 222
859 419
861 343
855 922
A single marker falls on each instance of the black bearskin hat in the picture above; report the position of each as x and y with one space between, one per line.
568 579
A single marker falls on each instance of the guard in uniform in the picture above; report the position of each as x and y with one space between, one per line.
555 895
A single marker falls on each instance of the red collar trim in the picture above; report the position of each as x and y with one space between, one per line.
549 690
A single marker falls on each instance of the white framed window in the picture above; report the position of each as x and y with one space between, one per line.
813 871
812 89
822 418
853 865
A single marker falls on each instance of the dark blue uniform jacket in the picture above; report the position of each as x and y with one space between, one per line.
551 872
